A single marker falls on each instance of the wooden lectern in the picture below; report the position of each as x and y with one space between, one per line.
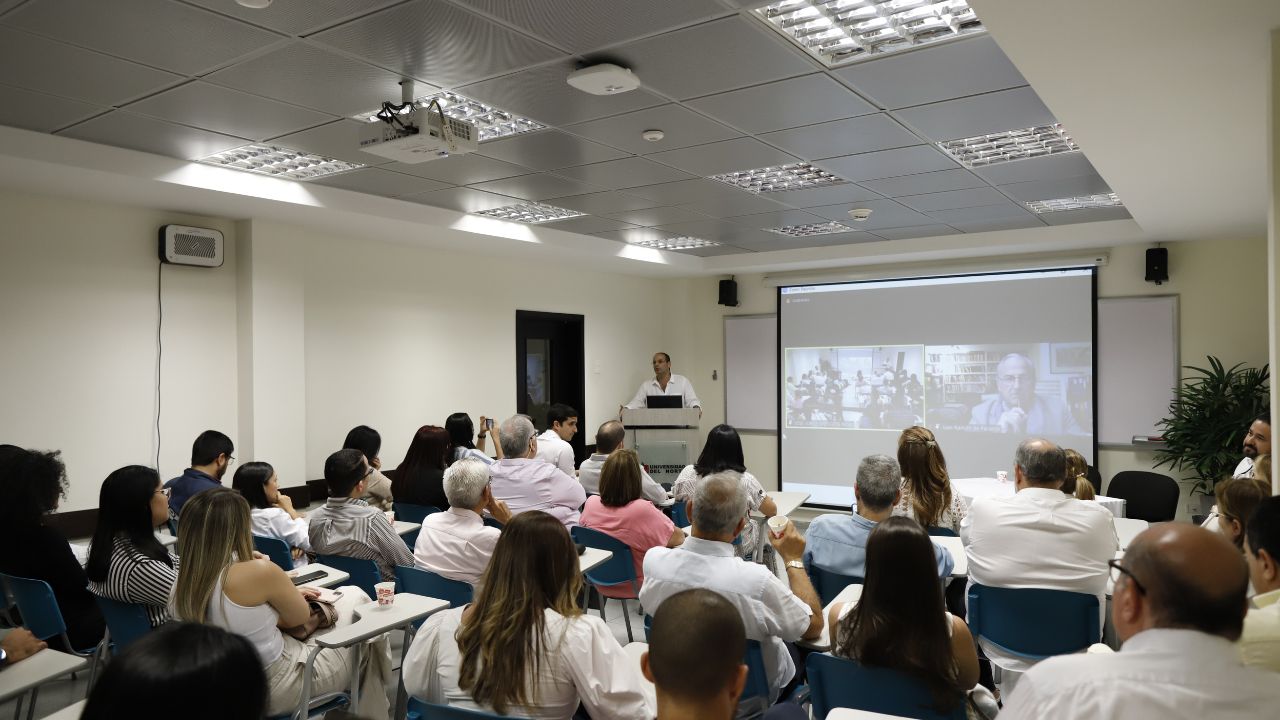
666 439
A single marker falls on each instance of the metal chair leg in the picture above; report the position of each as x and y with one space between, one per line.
17 706
603 601
31 709
627 617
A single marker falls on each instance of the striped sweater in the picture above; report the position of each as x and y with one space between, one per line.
135 578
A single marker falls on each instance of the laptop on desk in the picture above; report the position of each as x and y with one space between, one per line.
664 401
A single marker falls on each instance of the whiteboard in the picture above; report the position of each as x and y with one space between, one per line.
751 372
1137 365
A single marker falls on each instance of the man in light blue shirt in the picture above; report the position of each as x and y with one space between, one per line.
838 543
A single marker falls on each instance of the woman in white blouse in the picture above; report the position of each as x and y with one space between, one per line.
524 648
271 512
927 494
723 451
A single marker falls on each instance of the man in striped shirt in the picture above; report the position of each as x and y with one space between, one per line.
346 525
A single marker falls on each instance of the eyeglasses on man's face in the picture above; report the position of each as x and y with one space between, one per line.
1117 570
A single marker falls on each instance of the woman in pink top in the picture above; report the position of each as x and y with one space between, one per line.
620 512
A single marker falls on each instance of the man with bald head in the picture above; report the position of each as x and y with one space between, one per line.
1178 607
609 438
1017 409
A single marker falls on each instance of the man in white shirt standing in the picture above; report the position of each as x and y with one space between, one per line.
553 444
1257 441
526 483
1178 607
1039 538
609 438
665 382
456 543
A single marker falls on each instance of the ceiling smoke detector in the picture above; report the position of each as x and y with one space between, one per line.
860 214
604 79
255 4
653 135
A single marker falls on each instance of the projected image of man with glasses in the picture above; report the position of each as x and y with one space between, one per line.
1017 408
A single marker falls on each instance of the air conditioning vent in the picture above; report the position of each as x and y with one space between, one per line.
198 247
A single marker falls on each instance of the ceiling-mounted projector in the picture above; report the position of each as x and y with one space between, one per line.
418 136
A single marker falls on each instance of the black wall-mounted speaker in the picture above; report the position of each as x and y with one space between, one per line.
1157 265
729 293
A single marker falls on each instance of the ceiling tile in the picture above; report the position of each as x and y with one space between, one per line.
968 66
588 225
711 58
42 113
8 4
953 199
338 139
735 202
548 150
583 25
843 137
463 199
603 203
1069 217
297 18
888 163
376 181
535 187
712 251
978 115
459 169
542 94
314 78
717 231
777 218
787 103
634 235
685 191
782 242
1009 223
650 217
976 214
1048 167
124 129
153 32
723 157
828 195
917 231
884 214
1059 188
929 182
228 111
625 173
682 128
438 42
36 63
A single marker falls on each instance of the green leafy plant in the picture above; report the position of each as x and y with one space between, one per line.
1208 418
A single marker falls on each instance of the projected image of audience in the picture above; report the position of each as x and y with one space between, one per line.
878 387
1028 389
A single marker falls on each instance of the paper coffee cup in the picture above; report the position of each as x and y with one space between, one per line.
386 592
778 525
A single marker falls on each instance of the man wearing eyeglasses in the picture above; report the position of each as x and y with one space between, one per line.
210 458
1017 408
346 525
1178 606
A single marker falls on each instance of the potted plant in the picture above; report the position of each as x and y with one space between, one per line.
1207 421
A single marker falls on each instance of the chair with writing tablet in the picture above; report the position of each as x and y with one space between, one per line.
617 570
42 616
829 584
364 573
419 710
938 531
126 621
842 683
275 549
1014 620
424 582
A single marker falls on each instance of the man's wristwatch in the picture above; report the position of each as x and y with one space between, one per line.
797 564
4 659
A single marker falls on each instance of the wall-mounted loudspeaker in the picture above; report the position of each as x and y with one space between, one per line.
729 293
1157 265
182 245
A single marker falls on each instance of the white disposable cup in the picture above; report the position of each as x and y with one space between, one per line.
386 592
1002 475
778 525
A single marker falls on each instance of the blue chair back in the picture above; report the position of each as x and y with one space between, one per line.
842 683
364 573
409 512
276 549
936 531
680 514
757 678
492 523
37 605
829 584
173 527
424 582
616 570
126 621
1000 616
419 710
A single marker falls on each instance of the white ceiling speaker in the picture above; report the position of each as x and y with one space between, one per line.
198 247
860 214
604 79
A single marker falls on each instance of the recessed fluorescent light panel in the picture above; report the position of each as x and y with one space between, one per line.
797 176
279 162
491 122
1075 203
530 213
827 228
844 31
1001 147
684 242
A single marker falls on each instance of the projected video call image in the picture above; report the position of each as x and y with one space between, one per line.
1027 389
874 387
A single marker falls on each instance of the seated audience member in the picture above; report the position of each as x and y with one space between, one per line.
377 491
1262 469
609 439
1178 607
927 494
210 458
18 645
33 482
723 451
209 673
900 622
1257 441
696 646
838 543
619 512
773 612
1260 641
456 543
1039 538
346 525
271 511
460 430
524 647
1237 499
419 480
525 483
253 597
1077 477
126 560
553 443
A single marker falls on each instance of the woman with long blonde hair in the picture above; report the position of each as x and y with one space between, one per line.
524 647
927 495
1077 481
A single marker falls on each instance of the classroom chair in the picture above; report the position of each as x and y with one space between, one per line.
680 513
936 531
1015 620
829 584
1148 496
419 710
492 523
42 616
126 621
276 549
364 573
757 685
842 683
409 512
617 570
424 582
